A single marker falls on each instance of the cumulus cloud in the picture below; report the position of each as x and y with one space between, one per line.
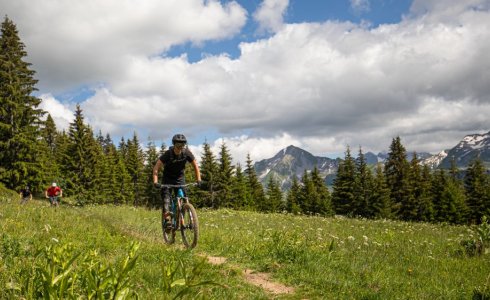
320 86
270 15
62 114
77 42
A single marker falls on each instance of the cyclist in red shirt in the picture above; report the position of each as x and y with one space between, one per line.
53 192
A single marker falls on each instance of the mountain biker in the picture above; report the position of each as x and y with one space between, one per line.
25 195
173 162
53 192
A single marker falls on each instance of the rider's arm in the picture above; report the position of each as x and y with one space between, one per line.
156 169
61 193
46 193
196 170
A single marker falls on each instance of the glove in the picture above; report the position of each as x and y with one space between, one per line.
157 185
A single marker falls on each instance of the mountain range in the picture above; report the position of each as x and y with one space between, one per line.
293 161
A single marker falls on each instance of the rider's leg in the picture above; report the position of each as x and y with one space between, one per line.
166 203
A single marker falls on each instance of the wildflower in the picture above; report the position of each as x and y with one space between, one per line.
350 238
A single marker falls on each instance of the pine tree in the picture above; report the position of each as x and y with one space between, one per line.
209 176
124 187
225 177
135 164
343 195
255 187
81 160
308 194
397 172
273 198
453 202
380 205
48 152
20 117
151 156
113 173
426 208
293 196
322 203
240 192
477 191
363 187
438 184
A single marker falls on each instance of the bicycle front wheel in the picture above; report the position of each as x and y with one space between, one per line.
190 226
168 231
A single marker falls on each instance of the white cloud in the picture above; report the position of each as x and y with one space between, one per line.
320 86
62 114
270 15
77 42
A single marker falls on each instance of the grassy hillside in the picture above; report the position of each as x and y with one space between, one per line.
69 251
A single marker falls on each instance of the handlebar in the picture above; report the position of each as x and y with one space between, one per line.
161 186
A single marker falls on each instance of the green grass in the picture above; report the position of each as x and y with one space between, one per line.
322 258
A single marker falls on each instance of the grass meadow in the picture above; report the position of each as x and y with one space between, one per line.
109 252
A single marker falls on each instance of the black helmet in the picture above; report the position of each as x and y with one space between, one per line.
179 138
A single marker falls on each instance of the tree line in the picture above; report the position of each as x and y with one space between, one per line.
409 191
93 170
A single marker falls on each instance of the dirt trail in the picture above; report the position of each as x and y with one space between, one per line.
260 279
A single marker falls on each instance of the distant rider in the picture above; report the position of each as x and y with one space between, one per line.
53 192
173 162
25 195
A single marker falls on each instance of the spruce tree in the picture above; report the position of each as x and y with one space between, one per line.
135 161
240 192
397 173
453 202
225 177
209 176
150 157
81 160
293 196
20 117
124 187
438 184
48 152
380 201
273 197
477 191
363 187
115 173
255 187
343 195
322 203
308 195
426 208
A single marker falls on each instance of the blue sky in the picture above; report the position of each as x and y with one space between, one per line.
262 75
373 12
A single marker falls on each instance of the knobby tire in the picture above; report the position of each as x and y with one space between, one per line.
190 227
168 236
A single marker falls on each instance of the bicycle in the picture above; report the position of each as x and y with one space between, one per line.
53 200
183 217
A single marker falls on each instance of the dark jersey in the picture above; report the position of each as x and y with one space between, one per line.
25 193
174 165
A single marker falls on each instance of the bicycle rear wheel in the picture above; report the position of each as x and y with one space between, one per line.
168 231
190 226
